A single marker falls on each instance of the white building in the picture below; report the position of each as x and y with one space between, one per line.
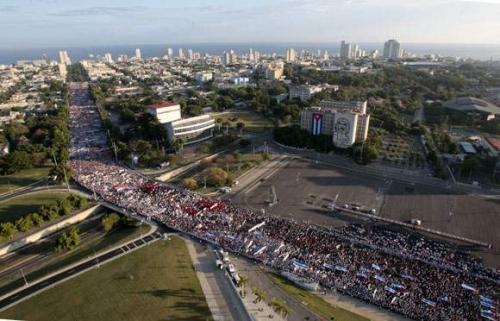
165 111
346 122
191 130
108 58
350 51
290 55
138 54
203 76
181 54
392 49
303 92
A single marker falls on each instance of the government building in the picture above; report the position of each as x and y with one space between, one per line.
346 122
190 130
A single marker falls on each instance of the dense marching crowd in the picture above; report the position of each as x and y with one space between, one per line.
419 278
87 135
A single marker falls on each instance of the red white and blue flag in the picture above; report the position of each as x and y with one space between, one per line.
316 124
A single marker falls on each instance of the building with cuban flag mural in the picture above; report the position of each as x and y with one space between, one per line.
346 122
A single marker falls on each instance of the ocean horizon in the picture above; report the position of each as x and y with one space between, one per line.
473 51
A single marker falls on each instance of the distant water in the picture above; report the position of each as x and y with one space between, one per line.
474 51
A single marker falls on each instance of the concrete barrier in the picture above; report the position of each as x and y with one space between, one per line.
38 235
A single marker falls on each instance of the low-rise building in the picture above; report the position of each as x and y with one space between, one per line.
165 111
203 76
303 92
191 130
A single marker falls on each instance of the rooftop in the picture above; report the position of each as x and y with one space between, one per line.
163 104
494 142
467 104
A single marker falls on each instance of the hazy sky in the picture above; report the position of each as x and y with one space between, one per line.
49 23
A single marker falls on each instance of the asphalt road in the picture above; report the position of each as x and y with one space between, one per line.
53 280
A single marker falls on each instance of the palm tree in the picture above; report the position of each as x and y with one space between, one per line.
178 144
260 295
280 307
242 282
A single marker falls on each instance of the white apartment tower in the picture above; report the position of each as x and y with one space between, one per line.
392 49
181 54
108 58
138 54
290 55
345 50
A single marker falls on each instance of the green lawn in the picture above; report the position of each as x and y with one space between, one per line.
316 303
12 209
253 121
157 282
22 178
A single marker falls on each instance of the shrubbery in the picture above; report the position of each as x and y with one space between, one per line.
45 213
68 240
109 221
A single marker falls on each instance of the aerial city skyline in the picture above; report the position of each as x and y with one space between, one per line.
257 160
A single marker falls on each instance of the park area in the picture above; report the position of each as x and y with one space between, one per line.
16 207
156 282
403 151
22 178
252 121
222 171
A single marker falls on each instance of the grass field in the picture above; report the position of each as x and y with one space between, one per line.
253 121
315 303
12 209
157 282
22 178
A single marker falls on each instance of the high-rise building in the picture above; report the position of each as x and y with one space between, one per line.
138 54
350 51
108 58
325 55
170 53
230 57
251 56
256 55
290 55
190 54
345 50
64 57
346 122
392 49
181 54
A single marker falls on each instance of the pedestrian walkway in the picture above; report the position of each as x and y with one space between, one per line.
222 300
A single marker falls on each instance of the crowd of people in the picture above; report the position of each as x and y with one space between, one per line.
87 135
419 278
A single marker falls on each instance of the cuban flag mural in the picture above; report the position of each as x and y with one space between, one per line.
316 124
